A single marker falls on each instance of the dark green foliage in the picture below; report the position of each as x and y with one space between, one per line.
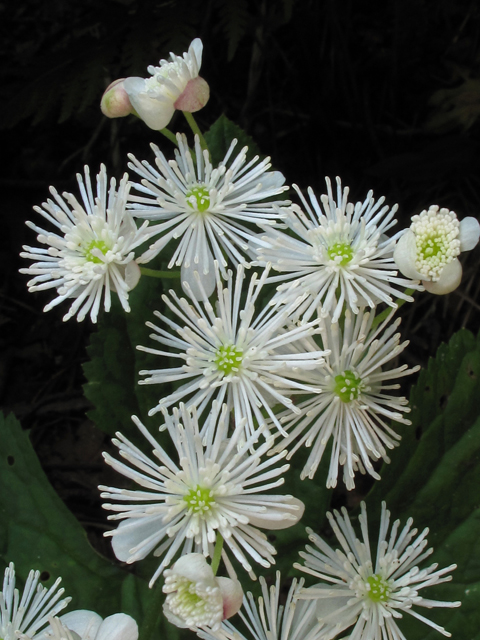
220 136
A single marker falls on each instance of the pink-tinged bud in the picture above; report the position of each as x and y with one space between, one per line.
115 101
194 96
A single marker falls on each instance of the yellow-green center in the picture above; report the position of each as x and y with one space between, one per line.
341 252
198 198
379 589
199 499
228 358
432 246
348 386
95 244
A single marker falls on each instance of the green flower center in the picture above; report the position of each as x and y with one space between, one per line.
198 198
379 589
341 252
432 246
228 358
95 244
199 499
348 386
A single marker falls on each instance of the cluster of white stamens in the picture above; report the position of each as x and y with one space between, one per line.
196 603
437 238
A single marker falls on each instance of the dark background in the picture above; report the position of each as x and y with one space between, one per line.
384 94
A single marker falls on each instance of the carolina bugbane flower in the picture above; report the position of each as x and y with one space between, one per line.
337 257
368 591
91 253
196 598
251 360
211 210
26 615
429 250
355 404
174 84
216 485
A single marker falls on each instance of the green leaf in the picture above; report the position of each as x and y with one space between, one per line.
433 479
220 136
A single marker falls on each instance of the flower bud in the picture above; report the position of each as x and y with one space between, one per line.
115 102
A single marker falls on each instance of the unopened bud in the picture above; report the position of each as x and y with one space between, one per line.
194 96
115 101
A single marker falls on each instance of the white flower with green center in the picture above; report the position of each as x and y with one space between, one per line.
28 614
216 486
213 211
175 84
429 250
270 620
338 257
91 253
252 361
368 594
196 598
355 404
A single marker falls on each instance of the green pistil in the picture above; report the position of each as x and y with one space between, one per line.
340 250
199 499
201 197
379 589
95 244
348 386
432 246
228 358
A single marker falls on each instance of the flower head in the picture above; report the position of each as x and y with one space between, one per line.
91 253
88 625
28 614
115 101
429 250
338 257
217 485
205 207
356 590
196 597
251 360
355 399
269 620
175 84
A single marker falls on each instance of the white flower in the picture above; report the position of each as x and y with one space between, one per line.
206 208
295 620
428 250
196 597
356 590
88 625
91 254
355 399
338 252
232 354
28 614
217 486
173 85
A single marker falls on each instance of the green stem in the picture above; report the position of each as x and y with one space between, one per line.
153 273
217 554
171 136
381 316
195 128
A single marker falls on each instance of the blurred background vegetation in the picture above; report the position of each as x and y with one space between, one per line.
384 94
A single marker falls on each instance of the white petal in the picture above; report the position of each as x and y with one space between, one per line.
196 48
232 594
85 623
192 274
272 180
131 533
266 522
449 279
405 255
155 112
132 275
194 567
469 233
118 627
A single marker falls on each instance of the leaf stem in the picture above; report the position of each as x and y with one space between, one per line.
217 553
